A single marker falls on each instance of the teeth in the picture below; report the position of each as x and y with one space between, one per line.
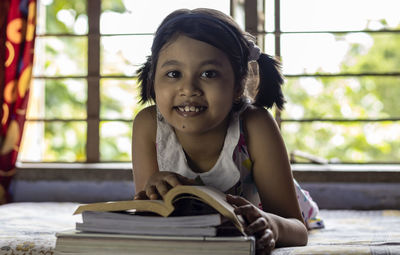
190 108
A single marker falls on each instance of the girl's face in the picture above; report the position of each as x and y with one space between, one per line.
194 85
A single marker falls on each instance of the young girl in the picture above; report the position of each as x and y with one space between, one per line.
204 130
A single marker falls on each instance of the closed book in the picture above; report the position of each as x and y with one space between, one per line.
147 230
75 242
131 223
122 219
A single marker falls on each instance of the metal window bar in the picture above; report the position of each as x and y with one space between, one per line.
334 31
343 74
84 35
342 120
73 120
93 81
277 35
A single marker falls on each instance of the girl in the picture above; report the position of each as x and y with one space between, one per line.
203 129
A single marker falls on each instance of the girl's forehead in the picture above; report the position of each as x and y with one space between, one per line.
185 52
184 45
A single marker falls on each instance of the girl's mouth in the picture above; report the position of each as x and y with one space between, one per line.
190 110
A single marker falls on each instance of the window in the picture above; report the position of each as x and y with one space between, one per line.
341 62
84 93
340 59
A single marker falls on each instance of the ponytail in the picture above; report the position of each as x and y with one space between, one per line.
145 81
269 90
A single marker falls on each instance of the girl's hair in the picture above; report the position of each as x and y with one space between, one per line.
221 31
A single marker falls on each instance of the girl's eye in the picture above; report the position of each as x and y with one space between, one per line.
209 74
174 74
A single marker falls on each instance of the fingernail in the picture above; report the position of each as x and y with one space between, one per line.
272 243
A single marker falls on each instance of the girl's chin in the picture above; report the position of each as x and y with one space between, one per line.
189 128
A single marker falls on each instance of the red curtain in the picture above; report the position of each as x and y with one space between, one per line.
17 24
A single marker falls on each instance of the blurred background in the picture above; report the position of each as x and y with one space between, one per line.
341 60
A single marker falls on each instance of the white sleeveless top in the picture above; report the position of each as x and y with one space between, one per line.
171 157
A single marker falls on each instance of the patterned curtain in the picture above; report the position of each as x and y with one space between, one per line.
17 26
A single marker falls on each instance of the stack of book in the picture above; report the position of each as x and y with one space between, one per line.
190 220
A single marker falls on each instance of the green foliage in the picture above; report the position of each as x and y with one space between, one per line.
65 99
75 8
65 141
115 142
113 5
350 98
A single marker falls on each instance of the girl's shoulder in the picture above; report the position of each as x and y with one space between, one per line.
255 116
147 114
260 129
145 122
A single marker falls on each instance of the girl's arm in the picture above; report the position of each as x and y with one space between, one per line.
273 178
144 155
150 183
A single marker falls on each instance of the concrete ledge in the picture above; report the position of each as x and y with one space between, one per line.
362 187
123 171
360 196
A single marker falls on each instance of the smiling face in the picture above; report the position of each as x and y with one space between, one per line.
194 85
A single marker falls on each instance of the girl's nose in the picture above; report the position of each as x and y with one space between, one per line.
189 88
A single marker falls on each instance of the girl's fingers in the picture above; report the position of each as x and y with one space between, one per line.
151 192
186 181
141 195
172 180
236 200
257 227
161 182
162 187
249 212
266 243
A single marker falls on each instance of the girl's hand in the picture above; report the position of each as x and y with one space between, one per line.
141 195
160 183
258 222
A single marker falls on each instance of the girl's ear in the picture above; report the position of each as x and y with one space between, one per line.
145 81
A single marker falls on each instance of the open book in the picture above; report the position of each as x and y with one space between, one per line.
171 204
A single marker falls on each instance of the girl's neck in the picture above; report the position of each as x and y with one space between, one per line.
203 150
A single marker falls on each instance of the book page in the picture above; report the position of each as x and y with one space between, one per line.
157 206
210 196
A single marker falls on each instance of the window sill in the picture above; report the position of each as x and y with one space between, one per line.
344 186
358 173
74 172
